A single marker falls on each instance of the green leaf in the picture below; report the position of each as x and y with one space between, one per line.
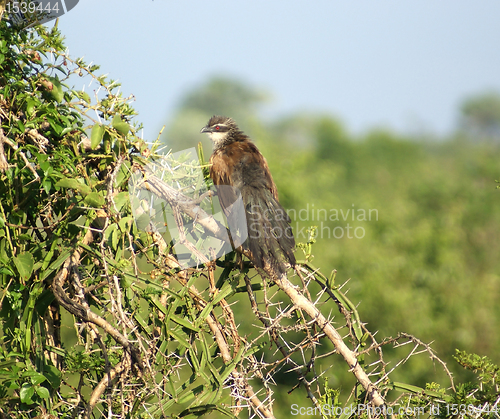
55 124
66 130
43 392
37 379
83 95
24 263
180 337
60 260
94 199
115 236
21 126
125 223
123 174
52 89
26 393
30 105
96 135
47 185
57 92
69 183
121 199
121 126
5 270
45 166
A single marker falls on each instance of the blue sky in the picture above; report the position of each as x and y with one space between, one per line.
406 65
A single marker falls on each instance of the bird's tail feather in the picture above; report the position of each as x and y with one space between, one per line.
270 237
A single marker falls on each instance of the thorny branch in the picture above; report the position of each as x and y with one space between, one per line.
176 198
226 334
224 346
302 300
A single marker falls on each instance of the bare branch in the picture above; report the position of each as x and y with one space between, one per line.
306 305
84 313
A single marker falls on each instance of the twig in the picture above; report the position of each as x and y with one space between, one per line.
86 314
4 165
223 345
107 380
184 204
306 305
273 336
39 140
3 161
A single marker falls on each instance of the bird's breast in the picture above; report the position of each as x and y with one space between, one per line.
221 169
240 164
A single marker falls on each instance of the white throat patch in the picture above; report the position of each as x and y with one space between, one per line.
218 137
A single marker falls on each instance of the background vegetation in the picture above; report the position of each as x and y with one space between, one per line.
428 261
426 265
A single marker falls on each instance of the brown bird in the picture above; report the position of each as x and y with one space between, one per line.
237 162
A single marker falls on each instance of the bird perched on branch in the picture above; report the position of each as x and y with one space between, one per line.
237 162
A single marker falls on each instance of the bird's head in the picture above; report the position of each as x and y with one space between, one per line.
221 130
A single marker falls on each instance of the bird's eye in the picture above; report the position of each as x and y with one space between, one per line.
217 128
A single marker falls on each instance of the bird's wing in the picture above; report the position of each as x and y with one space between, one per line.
242 166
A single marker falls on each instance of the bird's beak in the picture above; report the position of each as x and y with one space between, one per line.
206 129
